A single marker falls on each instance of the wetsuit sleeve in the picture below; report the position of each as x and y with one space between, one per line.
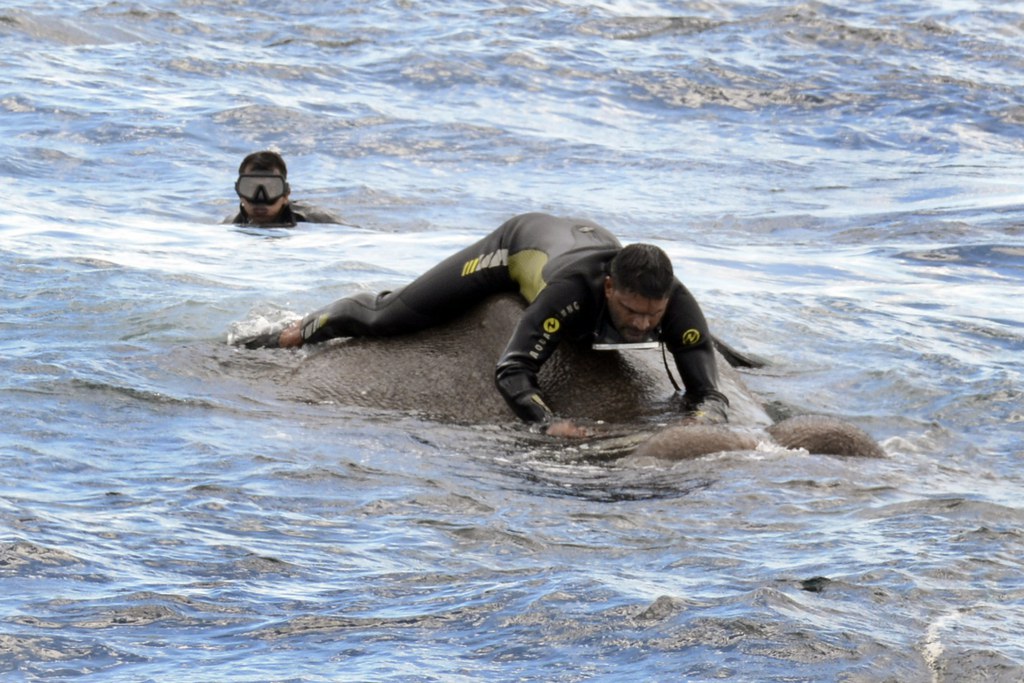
699 371
686 334
535 338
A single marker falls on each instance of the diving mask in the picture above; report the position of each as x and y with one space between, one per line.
261 188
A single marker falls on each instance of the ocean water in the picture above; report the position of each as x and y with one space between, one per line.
840 184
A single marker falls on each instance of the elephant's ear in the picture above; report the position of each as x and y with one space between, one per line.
737 358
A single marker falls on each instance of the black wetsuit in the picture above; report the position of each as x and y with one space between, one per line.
559 266
292 214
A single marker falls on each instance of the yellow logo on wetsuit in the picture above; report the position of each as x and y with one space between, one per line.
551 325
691 337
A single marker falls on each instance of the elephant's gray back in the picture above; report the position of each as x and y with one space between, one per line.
447 372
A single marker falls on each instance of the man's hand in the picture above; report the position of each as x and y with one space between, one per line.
567 429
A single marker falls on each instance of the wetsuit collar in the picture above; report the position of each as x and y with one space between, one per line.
287 218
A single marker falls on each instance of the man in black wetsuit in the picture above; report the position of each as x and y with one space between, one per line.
263 193
579 283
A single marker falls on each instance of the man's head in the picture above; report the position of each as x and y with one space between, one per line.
637 290
262 186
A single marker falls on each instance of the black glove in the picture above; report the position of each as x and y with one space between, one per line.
712 410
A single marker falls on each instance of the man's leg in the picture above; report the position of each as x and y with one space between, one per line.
459 282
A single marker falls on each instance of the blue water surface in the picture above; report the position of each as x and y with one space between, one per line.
840 186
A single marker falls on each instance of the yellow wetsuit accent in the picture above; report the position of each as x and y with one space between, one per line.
526 269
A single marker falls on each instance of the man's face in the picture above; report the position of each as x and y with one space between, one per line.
633 315
261 208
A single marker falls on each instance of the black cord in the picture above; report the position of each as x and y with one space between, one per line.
664 357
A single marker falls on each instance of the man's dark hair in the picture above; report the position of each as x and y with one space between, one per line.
642 269
264 162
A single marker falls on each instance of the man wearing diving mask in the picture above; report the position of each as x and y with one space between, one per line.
263 194
579 283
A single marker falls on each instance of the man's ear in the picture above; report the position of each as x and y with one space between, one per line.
609 286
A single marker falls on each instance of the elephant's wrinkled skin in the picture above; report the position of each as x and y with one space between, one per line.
447 373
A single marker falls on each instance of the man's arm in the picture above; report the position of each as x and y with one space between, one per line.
698 368
303 213
687 337
523 395
518 386
533 341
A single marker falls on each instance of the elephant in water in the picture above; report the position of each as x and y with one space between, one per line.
447 373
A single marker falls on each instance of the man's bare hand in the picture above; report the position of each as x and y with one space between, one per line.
568 429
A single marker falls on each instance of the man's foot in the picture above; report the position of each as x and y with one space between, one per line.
288 337
291 336
267 340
